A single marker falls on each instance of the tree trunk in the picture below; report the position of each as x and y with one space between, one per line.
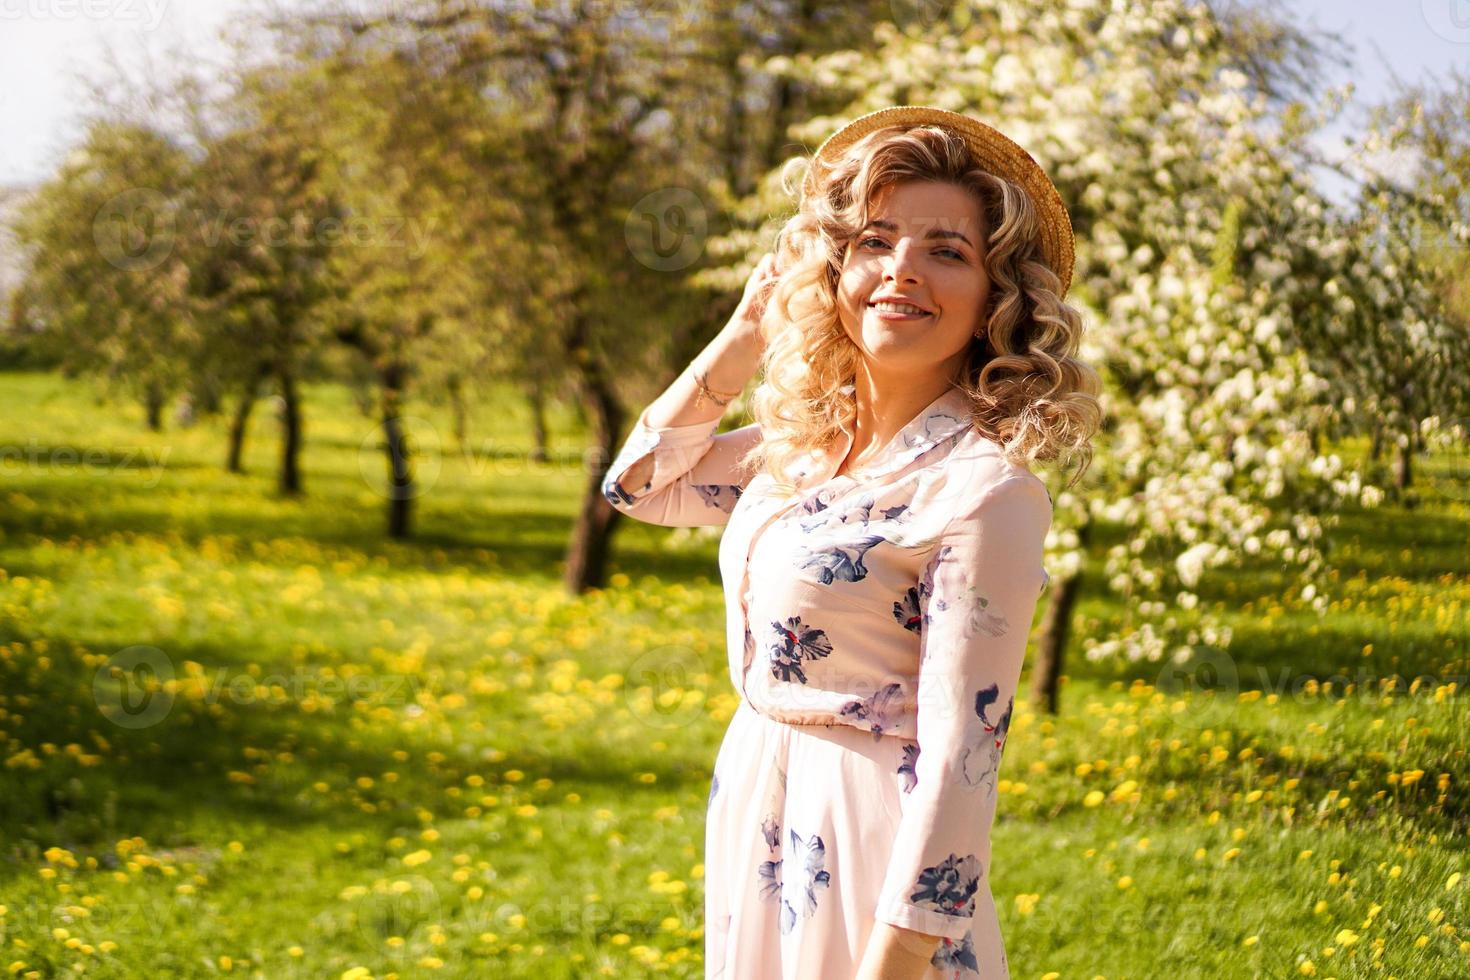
537 400
1403 465
1376 449
366 403
208 399
290 477
400 476
153 406
1056 627
240 421
460 410
587 553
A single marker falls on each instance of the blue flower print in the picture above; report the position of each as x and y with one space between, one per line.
957 957
858 515
813 856
771 831
720 495
814 509
770 871
793 643
908 612
834 563
615 494
982 619
822 514
770 874
949 887
714 787
982 757
880 710
908 768
925 587
979 617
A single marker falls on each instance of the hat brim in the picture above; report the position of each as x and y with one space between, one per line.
995 152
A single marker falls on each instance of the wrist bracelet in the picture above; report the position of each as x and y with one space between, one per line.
705 391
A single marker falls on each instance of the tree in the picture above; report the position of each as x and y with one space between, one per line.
1220 291
105 279
262 229
624 121
1425 202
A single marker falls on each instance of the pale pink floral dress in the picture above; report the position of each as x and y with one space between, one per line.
877 623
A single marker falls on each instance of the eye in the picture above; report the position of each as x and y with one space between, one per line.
956 253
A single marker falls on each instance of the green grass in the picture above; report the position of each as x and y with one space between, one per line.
422 758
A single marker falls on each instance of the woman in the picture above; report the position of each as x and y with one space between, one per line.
882 552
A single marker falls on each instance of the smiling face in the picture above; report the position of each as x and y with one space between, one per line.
925 242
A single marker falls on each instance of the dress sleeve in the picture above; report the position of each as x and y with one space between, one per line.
977 596
695 481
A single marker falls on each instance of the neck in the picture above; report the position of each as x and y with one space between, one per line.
885 404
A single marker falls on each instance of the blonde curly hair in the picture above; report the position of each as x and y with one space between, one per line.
1029 391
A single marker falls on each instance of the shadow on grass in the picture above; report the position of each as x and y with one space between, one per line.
158 782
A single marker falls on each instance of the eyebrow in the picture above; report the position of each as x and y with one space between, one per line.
936 233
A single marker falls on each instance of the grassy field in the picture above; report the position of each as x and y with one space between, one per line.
364 758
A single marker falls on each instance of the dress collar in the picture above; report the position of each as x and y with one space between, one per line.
940 419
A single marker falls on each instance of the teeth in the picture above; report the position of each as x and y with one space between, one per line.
897 308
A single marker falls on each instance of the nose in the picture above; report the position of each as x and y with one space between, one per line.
902 265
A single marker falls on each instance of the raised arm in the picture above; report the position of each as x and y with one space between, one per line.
673 469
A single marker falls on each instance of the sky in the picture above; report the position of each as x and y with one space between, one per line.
44 42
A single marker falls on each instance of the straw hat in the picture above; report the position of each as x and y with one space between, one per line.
994 151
